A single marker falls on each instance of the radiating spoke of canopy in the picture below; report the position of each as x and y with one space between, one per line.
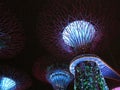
78 33
59 77
7 83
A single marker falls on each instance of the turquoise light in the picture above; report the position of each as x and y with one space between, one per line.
59 79
78 33
7 84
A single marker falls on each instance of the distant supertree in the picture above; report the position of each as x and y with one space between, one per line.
89 72
77 27
59 76
55 19
11 79
7 84
11 34
50 72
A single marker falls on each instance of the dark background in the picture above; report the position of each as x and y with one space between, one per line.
27 12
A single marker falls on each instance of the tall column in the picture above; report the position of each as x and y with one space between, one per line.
89 77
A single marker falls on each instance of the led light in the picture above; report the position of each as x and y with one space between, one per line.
59 77
7 84
88 71
89 77
78 33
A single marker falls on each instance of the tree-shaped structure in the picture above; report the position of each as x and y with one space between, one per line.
59 76
77 26
11 79
79 35
50 72
7 84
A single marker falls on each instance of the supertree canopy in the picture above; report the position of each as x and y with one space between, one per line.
89 72
7 84
59 76
11 34
11 79
49 71
79 34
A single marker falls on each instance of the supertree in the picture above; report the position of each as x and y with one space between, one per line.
89 71
54 18
12 79
77 27
59 76
12 37
50 72
7 84
79 35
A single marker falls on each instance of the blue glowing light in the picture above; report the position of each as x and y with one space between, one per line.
7 84
106 70
59 79
78 33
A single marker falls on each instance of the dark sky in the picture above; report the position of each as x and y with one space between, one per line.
27 12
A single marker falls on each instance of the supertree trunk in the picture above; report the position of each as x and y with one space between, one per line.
89 77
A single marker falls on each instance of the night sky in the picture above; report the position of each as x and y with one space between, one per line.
27 13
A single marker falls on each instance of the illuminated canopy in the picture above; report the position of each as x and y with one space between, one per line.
7 83
59 76
78 33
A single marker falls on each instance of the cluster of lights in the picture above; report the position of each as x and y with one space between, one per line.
59 77
89 77
89 70
78 33
10 79
106 70
7 84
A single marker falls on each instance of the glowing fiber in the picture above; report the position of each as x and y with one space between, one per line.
78 33
7 84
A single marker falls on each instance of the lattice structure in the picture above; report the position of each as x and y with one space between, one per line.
89 77
88 68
